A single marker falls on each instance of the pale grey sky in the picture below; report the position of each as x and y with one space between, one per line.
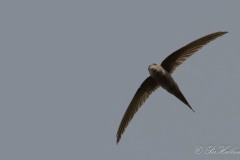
70 68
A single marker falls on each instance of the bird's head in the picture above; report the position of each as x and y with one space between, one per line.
155 69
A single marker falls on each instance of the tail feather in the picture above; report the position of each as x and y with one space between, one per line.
177 93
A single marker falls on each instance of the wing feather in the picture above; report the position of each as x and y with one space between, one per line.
179 56
143 92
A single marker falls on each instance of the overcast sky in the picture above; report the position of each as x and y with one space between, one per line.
69 69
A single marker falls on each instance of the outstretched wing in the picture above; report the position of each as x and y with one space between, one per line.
143 92
179 56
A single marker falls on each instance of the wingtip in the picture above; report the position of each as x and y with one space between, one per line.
118 139
223 32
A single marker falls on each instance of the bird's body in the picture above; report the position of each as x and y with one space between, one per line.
165 80
160 76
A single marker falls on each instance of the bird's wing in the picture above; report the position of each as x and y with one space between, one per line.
143 92
179 56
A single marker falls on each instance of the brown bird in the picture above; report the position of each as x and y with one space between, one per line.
160 75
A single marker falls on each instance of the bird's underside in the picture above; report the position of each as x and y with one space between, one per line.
160 75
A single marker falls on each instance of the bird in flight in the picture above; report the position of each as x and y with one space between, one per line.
160 76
